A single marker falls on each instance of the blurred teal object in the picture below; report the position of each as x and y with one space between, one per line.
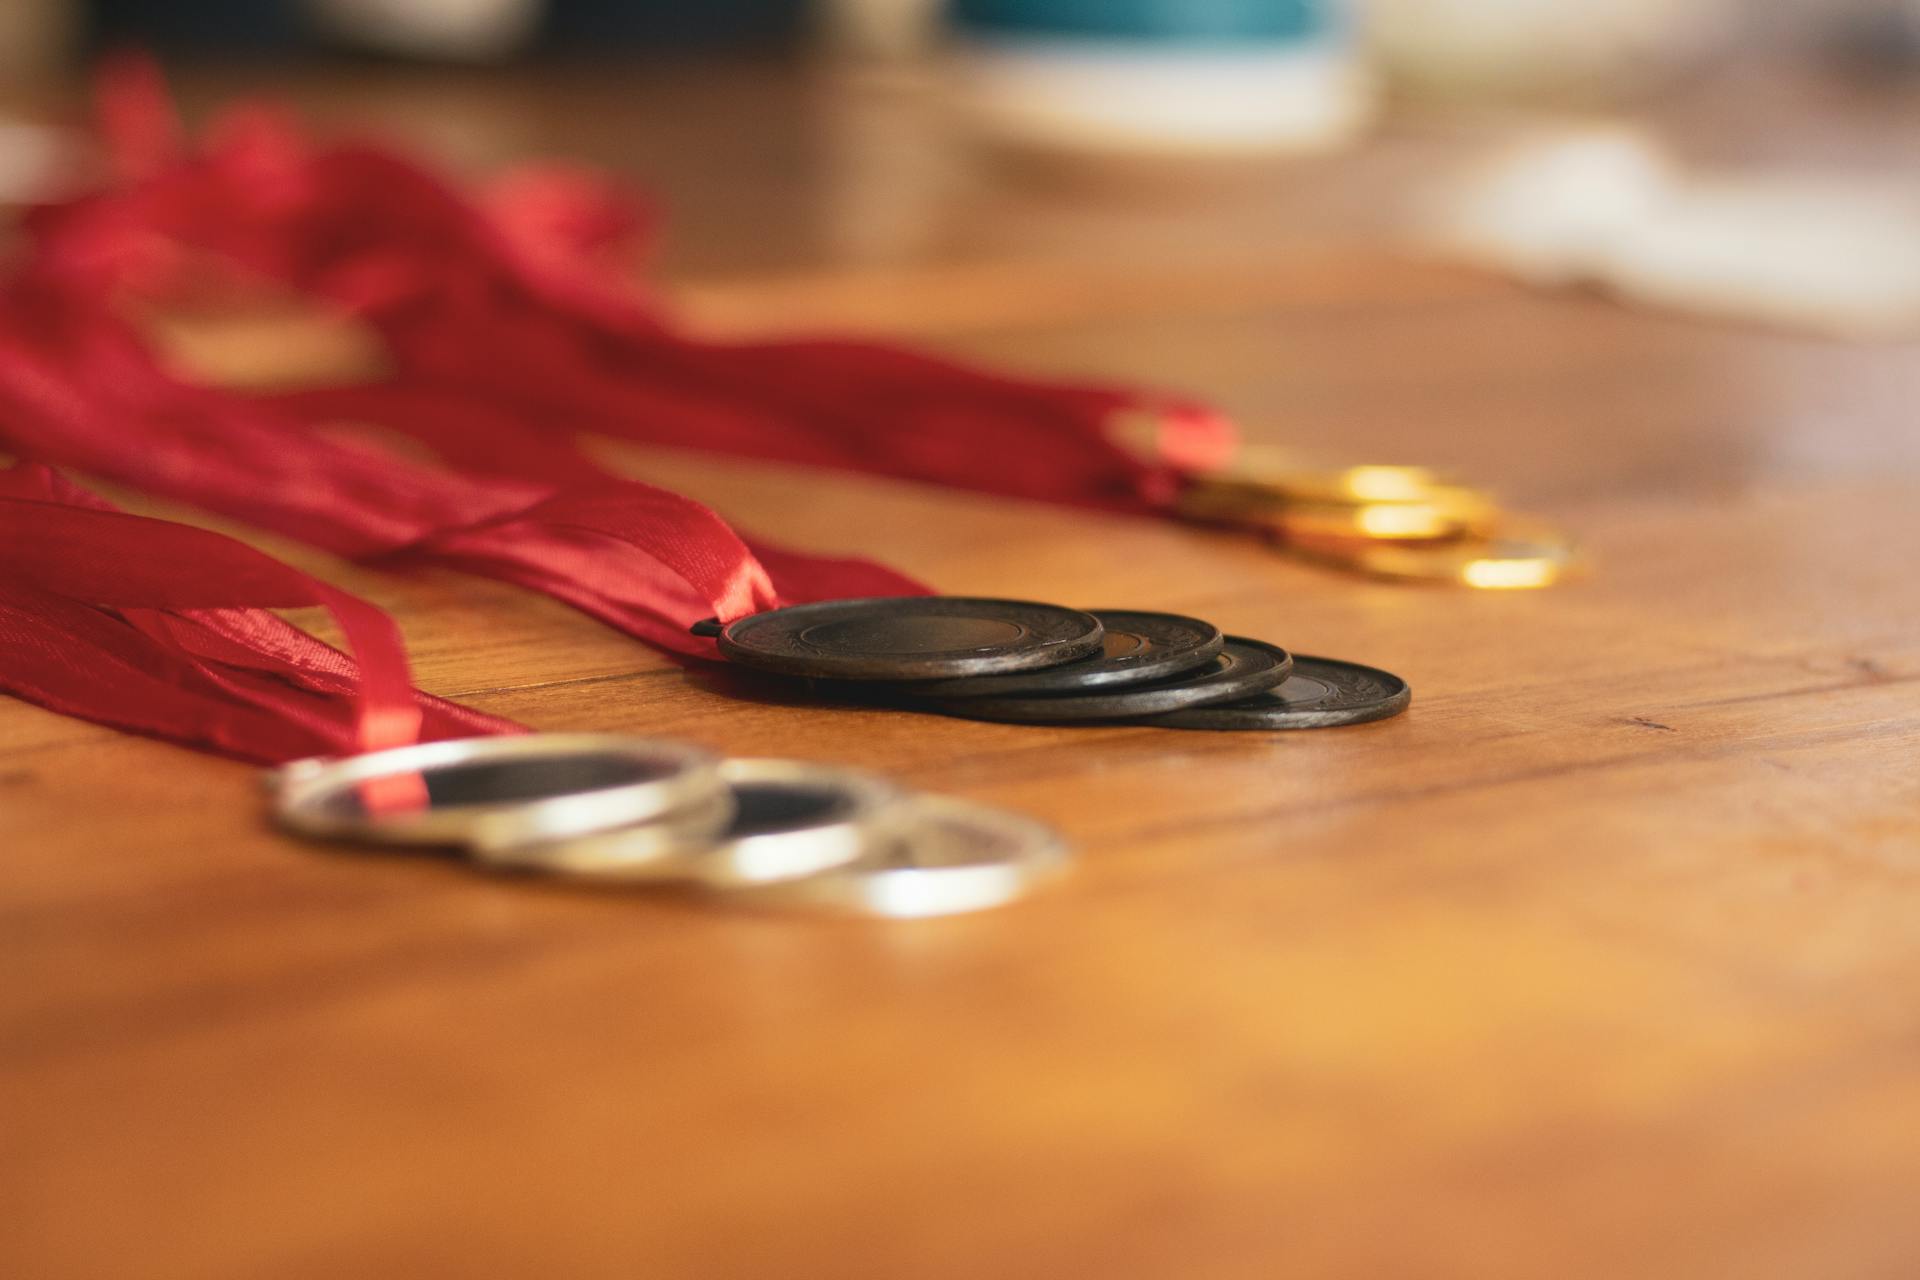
1201 21
1166 76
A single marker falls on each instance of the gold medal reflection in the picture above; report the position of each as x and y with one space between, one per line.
1401 523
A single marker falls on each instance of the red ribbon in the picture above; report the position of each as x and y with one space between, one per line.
506 302
164 629
80 388
507 344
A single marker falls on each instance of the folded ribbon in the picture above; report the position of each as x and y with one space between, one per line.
505 301
79 387
164 629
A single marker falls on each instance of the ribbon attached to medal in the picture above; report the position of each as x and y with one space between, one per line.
504 346
164 629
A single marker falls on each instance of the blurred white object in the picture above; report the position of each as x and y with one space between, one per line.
1115 99
1541 46
1553 207
458 30
1607 206
33 161
1162 76
1829 254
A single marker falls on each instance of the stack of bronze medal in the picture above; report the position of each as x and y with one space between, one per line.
1404 523
1028 663
611 810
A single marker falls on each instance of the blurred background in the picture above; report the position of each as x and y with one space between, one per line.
971 172
1461 45
1451 39
1582 141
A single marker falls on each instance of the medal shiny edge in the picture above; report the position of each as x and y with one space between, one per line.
300 791
1011 855
693 848
1125 704
734 642
1086 674
1229 717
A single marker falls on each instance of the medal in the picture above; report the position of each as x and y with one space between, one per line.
786 834
1127 682
947 857
775 820
1519 556
490 794
1244 667
1319 693
1135 646
914 638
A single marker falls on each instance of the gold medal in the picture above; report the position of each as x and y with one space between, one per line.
1274 472
1518 557
1397 522
1439 511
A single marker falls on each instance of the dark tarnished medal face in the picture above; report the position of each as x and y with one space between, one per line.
1319 694
911 638
772 807
1137 647
1244 667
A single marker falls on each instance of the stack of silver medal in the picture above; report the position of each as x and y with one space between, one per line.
617 810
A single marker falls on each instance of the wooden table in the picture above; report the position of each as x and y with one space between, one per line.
1599 963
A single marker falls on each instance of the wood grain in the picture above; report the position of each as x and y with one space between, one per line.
1598 963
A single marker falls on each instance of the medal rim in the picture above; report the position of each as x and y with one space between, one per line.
663 852
1224 717
1047 708
1169 665
878 668
871 888
301 789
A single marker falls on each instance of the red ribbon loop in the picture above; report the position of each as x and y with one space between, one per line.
163 628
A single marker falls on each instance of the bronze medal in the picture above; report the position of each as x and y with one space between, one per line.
1320 693
911 638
